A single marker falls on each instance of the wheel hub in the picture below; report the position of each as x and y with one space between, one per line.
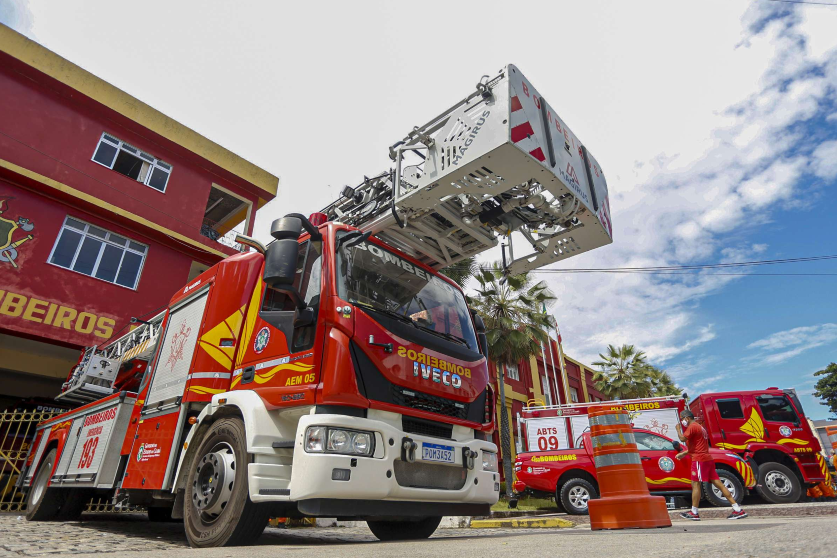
578 497
778 483
729 486
214 480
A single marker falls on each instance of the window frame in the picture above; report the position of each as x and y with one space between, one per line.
573 394
650 435
764 415
105 242
516 375
728 400
155 163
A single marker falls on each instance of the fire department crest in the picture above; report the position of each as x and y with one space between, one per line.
140 451
262 339
9 241
785 431
666 464
178 345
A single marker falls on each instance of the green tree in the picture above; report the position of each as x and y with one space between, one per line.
661 383
623 373
826 388
462 270
512 308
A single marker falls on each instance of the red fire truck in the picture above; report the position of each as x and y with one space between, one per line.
335 372
769 427
558 460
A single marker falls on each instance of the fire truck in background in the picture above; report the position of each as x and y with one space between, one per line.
334 372
765 429
769 427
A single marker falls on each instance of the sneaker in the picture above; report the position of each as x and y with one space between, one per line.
690 516
737 515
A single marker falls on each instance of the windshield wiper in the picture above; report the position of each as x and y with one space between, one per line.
448 336
385 311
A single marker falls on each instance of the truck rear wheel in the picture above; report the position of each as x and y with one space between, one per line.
733 484
43 501
574 495
404 530
217 510
75 502
778 484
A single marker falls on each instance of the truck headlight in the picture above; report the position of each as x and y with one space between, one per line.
489 461
325 439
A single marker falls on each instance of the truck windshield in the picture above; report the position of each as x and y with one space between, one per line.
375 277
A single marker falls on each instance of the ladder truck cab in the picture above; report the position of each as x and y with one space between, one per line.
769 427
335 372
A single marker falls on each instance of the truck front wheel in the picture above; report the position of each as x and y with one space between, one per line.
574 495
43 502
217 510
778 484
404 530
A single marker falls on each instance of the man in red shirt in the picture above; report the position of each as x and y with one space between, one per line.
703 467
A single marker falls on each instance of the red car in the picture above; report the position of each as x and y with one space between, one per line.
570 474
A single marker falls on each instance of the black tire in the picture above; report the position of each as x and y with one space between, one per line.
404 530
44 502
75 502
733 484
231 518
161 515
778 484
574 495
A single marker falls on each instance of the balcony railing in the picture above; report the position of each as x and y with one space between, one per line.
227 239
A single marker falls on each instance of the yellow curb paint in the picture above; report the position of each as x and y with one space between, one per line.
523 523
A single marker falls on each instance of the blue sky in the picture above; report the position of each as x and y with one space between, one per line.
715 123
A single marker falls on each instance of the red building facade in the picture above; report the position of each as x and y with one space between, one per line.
530 381
107 208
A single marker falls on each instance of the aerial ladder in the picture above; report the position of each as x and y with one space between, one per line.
500 161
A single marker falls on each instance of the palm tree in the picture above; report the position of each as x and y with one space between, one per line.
662 383
462 270
512 309
623 373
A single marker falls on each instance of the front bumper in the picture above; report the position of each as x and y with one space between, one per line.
373 486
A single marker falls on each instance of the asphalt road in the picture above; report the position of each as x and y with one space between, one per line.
135 537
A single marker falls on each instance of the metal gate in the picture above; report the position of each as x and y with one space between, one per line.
17 429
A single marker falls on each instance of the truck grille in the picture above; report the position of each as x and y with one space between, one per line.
431 403
429 475
427 428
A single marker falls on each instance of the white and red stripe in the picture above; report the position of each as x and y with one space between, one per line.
522 134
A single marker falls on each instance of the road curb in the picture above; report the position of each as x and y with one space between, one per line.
522 523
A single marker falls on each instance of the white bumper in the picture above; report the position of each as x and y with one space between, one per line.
374 478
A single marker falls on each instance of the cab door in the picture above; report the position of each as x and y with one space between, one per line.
281 346
738 423
663 472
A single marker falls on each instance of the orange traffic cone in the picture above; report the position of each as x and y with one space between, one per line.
624 502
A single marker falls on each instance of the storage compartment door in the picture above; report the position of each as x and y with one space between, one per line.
177 351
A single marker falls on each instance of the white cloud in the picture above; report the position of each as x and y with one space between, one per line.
784 345
825 160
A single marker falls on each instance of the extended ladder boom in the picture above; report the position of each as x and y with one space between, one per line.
497 162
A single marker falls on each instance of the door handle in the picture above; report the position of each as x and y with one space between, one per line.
248 374
723 434
646 459
386 346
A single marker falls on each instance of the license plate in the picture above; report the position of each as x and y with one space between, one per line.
437 452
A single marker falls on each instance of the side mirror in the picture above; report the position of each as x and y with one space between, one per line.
478 323
304 318
677 446
281 257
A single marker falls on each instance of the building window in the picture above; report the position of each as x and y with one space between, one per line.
547 392
126 159
512 372
98 253
574 394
